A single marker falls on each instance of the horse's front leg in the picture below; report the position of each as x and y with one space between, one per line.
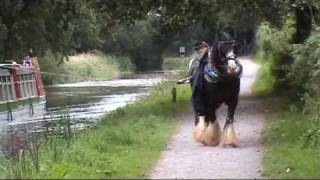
229 137
212 131
231 110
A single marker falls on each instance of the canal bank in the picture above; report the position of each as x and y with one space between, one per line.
124 144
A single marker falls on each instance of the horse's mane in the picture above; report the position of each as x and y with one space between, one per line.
215 57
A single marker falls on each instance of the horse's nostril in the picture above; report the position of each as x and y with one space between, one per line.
231 67
230 71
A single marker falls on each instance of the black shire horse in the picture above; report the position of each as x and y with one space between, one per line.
221 84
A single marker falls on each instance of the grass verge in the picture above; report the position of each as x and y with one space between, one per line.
291 144
265 82
173 63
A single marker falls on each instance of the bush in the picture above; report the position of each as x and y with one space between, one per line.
52 63
265 82
304 74
274 50
294 69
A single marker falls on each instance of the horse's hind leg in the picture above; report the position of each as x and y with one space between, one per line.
229 137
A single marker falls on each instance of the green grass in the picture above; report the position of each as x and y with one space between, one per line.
291 145
173 63
91 67
265 83
125 144
80 67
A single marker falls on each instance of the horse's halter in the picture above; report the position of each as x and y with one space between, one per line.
227 58
223 63
229 55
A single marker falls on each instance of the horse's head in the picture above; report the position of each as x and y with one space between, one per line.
223 56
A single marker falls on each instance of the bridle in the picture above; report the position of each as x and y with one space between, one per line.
224 58
216 70
229 56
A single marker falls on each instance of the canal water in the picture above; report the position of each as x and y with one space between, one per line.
83 102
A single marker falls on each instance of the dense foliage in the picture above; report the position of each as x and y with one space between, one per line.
273 50
290 58
140 29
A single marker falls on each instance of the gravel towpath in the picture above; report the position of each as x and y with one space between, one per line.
184 158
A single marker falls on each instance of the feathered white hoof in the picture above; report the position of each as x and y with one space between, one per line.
198 130
212 134
229 137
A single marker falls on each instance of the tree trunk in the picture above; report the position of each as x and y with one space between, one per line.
303 25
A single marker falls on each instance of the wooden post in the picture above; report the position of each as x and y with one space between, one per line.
9 115
174 94
31 109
